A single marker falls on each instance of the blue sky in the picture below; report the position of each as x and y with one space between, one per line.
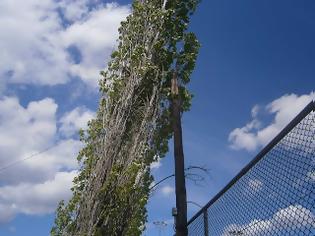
255 71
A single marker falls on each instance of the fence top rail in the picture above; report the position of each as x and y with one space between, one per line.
307 110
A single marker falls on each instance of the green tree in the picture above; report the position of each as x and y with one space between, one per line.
132 126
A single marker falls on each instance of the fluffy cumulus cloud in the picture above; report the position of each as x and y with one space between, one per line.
167 190
255 185
74 120
288 219
96 45
157 164
7 213
46 42
254 135
38 198
75 10
43 179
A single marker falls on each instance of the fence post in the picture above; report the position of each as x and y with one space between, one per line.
205 222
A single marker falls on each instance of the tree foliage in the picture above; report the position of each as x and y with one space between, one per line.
133 122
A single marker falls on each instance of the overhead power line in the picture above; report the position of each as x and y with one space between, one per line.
37 154
27 158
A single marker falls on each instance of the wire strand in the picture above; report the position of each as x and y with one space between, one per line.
27 158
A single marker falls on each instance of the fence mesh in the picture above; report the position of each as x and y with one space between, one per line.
276 196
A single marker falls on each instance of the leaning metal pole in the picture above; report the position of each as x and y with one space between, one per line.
180 185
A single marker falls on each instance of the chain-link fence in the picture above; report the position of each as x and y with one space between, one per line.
274 194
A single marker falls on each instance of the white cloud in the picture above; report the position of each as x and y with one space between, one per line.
34 48
255 185
255 111
75 120
74 10
311 175
167 190
7 213
25 131
284 109
95 37
47 42
40 48
27 128
44 179
157 164
30 51
293 217
40 198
